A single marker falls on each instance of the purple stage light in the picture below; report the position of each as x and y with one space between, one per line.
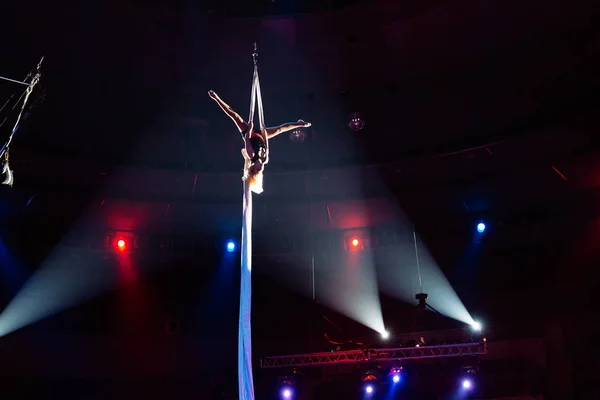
467 384
286 393
297 135
396 378
357 122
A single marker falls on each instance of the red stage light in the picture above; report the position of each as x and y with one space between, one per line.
121 244
354 243
356 240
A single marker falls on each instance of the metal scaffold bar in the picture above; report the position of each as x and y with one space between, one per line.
369 355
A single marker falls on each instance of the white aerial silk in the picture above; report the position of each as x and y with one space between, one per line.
245 379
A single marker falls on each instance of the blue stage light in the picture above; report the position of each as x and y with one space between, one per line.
481 227
230 246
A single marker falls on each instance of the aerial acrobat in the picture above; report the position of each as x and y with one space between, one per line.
256 149
256 155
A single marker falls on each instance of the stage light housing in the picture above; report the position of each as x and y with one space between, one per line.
286 388
357 122
422 299
468 378
395 374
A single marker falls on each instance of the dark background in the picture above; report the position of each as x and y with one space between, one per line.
473 110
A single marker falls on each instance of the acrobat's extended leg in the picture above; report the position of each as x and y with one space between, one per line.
239 121
288 126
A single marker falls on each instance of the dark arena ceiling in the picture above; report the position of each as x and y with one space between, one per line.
474 111
260 8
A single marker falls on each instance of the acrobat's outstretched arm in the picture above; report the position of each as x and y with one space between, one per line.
239 121
288 126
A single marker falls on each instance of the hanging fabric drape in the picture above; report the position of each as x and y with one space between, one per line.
245 376
245 380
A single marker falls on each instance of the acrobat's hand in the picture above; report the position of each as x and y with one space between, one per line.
304 124
212 94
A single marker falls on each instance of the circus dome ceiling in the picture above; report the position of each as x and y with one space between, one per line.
439 76
255 8
126 85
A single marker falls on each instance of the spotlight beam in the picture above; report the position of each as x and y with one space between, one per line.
433 309
60 283
394 281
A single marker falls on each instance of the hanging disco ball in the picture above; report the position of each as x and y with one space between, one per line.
357 122
297 135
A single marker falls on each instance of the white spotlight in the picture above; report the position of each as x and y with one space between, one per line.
476 326
481 227
385 335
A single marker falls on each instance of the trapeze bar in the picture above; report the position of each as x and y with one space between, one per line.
370 355
14 81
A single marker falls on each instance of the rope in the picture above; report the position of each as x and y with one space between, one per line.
417 257
14 81
6 103
4 152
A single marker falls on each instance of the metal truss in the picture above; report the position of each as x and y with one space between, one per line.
369 355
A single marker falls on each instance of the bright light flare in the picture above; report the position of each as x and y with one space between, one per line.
369 389
230 246
385 335
121 245
467 384
354 243
286 393
481 227
348 285
476 326
396 378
